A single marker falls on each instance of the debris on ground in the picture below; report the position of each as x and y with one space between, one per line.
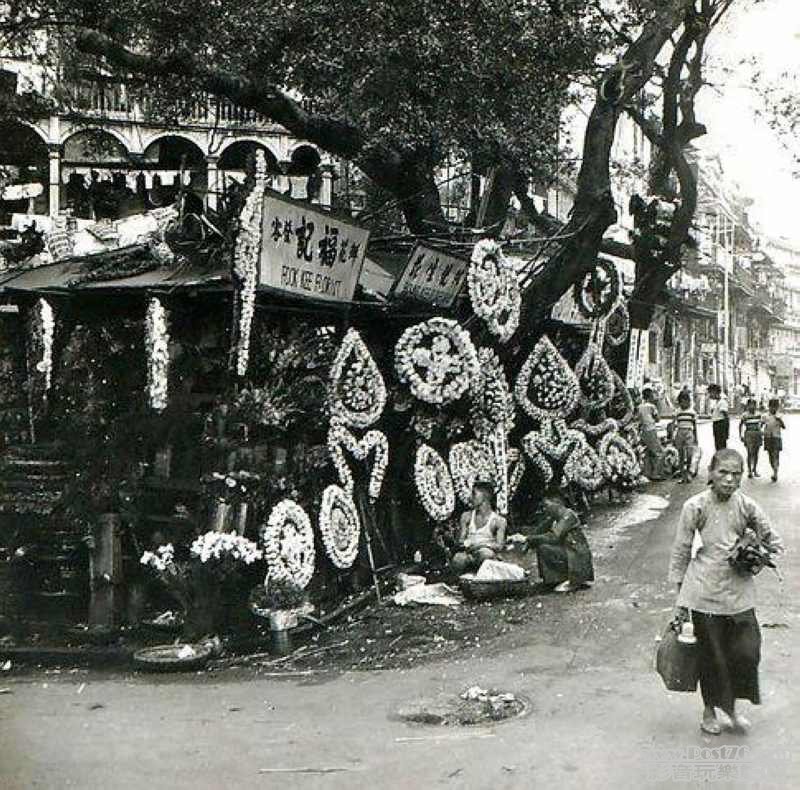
431 594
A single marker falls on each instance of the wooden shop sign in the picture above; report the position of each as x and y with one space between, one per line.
307 252
432 276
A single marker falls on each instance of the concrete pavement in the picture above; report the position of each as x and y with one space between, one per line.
599 716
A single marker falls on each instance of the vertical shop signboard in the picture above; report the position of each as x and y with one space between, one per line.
307 252
639 342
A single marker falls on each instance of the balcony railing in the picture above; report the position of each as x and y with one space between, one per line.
118 102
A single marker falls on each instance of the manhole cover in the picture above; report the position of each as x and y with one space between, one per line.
474 707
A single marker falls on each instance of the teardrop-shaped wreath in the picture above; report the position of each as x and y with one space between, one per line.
494 289
357 389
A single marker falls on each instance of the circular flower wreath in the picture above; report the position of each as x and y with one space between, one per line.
622 463
469 462
595 377
289 544
357 389
494 289
341 439
491 401
598 291
339 526
618 325
437 360
546 387
585 468
434 484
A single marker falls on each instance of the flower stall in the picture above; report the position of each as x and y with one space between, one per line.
274 430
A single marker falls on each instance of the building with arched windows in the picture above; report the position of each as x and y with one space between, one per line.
102 154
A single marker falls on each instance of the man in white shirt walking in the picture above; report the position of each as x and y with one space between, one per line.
720 420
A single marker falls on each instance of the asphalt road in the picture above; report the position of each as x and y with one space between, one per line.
599 716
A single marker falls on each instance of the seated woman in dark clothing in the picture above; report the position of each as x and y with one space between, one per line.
562 551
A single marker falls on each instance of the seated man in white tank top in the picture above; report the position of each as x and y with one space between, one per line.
482 532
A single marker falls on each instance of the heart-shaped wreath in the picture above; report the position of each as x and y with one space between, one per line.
340 439
469 462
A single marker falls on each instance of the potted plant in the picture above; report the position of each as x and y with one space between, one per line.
198 582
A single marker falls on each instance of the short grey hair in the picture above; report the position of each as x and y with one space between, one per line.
725 454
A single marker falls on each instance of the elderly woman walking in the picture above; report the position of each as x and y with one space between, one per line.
718 588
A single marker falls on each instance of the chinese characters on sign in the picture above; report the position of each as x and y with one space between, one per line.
308 252
432 276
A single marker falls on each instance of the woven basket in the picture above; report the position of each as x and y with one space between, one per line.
478 590
164 658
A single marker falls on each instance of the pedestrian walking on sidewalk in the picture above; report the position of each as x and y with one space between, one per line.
720 420
684 433
773 438
653 466
751 432
718 590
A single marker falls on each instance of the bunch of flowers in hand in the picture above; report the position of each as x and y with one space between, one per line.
437 360
494 289
546 387
357 389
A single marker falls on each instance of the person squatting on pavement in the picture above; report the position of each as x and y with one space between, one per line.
482 533
718 587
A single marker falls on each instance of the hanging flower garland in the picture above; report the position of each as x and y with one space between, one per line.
340 439
491 401
595 377
289 544
621 461
157 339
437 360
516 471
245 261
546 387
469 462
46 329
357 389
618 324
434 484
585 468
498 442
339 526
494 289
